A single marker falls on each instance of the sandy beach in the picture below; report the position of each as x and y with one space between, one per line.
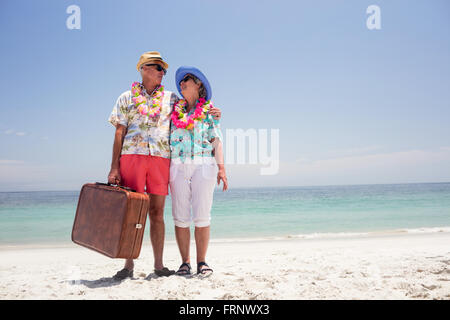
378 266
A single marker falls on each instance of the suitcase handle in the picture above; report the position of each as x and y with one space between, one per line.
115 185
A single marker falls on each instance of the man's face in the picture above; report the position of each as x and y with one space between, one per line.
150 71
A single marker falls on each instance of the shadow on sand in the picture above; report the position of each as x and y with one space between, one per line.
100 283
110 281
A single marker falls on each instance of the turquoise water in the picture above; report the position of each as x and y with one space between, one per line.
47 217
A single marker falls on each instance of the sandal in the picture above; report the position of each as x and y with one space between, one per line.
123 274
184 272
164 272
204 271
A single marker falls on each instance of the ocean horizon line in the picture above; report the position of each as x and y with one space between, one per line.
257 187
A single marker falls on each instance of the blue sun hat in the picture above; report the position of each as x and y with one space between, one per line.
184 70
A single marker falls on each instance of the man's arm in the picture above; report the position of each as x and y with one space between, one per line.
114 173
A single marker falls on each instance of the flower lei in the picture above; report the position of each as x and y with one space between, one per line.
179 118
154 108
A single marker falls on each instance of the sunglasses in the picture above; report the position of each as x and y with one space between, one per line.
158 67
186 78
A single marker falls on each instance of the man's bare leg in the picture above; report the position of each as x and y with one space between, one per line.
156 213
157 228
129 264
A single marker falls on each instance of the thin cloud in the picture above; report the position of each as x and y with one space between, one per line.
11 162
14 132
14 173
17 133
398 160
389 167
339 153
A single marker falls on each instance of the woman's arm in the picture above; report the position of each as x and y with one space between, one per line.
218 154
215 112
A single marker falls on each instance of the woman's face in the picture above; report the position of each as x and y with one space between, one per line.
188 86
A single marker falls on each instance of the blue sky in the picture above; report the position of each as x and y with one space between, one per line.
352 105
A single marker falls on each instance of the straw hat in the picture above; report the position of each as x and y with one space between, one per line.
151 56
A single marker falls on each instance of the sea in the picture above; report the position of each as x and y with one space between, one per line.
247 214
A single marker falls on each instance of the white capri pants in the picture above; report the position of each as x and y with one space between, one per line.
192 186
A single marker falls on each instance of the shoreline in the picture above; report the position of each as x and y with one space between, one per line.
306 236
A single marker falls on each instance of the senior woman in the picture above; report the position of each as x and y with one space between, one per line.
196 164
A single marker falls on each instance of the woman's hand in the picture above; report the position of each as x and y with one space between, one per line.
221 175
215 112
114 176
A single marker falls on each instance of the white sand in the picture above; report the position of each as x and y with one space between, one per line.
395 266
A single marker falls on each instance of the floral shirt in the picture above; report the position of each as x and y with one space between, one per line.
194 145
147 136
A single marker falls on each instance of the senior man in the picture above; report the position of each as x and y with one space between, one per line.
141 150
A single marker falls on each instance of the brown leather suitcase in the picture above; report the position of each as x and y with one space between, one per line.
110 220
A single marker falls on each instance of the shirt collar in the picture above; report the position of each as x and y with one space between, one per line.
145 90
192 109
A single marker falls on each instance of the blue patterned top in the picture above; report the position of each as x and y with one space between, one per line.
194 145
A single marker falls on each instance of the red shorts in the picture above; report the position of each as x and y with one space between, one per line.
145 173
